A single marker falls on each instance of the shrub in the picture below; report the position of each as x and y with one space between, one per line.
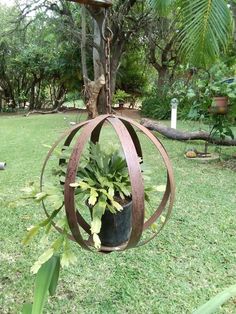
157 106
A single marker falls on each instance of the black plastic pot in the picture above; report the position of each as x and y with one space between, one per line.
116 228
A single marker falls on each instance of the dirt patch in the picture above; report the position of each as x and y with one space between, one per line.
125 112
230 164
129 113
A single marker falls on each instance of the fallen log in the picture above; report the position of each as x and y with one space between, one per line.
41 112
185 135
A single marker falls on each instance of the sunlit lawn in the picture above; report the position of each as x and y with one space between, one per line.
192 259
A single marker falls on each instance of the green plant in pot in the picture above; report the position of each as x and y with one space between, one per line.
102 189
221 127
103 184
222 93
120 97
102 192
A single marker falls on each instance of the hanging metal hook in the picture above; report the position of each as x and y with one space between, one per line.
107 33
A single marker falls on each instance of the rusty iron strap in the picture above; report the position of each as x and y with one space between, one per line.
137 188
65 134
170 187
73 164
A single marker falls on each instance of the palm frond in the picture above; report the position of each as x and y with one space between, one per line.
207 25
161 7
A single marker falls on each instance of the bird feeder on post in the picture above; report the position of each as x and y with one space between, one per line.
174 106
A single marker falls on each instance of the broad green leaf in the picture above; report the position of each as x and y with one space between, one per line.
44 240
35 268
44 223
163 219
41 260
96 225
213 304
116 205
40 196
121 195
125 191
55 276
111 191
30 234
161 188
154 227
231 95
58 243
206 30
42 283
93 197
100 207
28 190
84 186
68 257
27 308
111 208
97 242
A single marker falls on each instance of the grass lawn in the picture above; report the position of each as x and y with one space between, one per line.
193 258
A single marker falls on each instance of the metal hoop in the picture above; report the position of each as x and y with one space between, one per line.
129 141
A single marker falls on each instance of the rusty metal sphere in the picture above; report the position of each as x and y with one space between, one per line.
129 141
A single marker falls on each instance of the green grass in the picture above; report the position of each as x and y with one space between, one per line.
190 261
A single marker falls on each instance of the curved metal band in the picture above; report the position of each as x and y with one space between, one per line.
66 133
170 187
134 136
130 143
75 129
137 188
73 164
82 222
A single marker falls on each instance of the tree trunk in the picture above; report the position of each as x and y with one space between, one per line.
83 44
185 136
32 97
98 56
93 90
163 78
121 37
37 97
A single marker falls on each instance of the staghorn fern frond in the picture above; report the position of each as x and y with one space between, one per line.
207 25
